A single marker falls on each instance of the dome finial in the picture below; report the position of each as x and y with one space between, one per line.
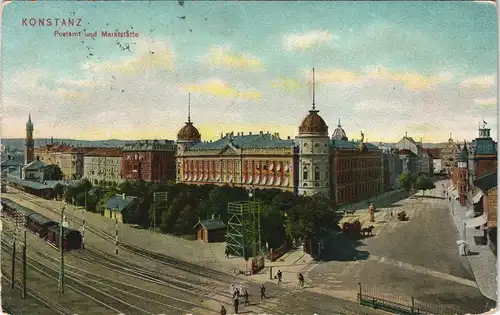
339 124
189 107
314 100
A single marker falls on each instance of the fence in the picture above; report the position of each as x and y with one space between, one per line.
274 254
400 305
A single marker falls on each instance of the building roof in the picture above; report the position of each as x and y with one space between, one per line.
485 147
487 182
35 166
26 183
189 133
342 144
339 133
10 162
150 145
435 153
211 224
108 152
313 123
250 141
67 183
118 203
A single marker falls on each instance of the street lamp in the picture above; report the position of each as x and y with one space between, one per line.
251 193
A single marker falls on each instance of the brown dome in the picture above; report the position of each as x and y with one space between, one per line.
189 133
313 123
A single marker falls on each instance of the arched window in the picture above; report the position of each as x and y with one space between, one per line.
305 185
317 175
316 145
305 173
305 144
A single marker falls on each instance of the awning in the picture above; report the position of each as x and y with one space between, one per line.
477 197
471 223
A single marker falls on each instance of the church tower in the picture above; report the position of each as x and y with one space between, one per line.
29 144
314 150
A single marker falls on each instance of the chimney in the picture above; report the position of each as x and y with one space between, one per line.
288 138
250 133
221 136
278 135
261 133
242 134
146 141
123 196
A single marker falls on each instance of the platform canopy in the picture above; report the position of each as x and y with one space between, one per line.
471 223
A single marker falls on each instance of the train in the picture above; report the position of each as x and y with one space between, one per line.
44 227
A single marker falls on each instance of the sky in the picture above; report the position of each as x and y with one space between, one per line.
384 68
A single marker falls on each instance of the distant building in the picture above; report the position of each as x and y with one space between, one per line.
103 164
393 168
119 207
483 155
461 175
150 161
34 171
448 154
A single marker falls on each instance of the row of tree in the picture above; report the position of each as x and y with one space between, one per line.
285 216
415 181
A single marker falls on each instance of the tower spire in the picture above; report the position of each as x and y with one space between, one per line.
339 123
314 91
189 107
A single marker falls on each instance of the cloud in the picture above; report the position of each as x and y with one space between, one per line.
221 88
479 82
490 102
150 55
220 56
410 80
424 127
304 41
288 84
70 95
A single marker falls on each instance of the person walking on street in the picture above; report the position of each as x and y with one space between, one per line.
223 310
236 301
227 252
246 295
262 291
280 275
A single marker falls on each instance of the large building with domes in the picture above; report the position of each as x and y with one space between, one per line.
312 163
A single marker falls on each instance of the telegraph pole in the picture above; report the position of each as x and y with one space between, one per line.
116 233
83 219
61 251
24 265
13 263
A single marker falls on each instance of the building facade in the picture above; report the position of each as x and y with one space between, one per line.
448 154
393 168
311 164
103 165
150 161
34 171
483 155
29 144
461 175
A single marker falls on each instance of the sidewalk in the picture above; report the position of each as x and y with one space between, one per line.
483 262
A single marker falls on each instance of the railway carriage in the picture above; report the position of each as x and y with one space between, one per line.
72 238
39 224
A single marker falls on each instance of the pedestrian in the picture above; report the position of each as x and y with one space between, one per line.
280 275
227 252
236 302
223 310
246 295
262 292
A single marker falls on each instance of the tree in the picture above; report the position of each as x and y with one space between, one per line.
59 190
52 172
424 183
405 181
186 220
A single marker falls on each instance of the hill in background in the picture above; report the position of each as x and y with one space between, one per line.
18 143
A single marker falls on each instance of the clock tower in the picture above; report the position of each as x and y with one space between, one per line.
29 144
484 154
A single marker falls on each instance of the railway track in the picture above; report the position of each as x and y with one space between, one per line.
113 292
195 287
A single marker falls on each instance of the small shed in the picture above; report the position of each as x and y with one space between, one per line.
212 230
119 207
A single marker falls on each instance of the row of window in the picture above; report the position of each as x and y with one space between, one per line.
357 191
358 175
317 173
349 164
